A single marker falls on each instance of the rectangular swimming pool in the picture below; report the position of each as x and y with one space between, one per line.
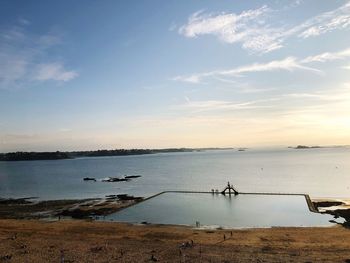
241 211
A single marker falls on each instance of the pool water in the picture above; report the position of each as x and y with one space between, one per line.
241 211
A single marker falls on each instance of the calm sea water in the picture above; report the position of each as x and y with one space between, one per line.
319 172
240 211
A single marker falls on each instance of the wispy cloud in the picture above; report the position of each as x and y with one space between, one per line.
287 64
327 56
220 105
254 30
54 71
325 96
297 104
326 22
25 57
195 79
327 108
247 28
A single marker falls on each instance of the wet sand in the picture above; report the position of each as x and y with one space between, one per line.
29 208
84 241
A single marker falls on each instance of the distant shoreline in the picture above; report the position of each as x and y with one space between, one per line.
58 155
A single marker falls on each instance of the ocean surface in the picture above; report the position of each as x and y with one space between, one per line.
321 172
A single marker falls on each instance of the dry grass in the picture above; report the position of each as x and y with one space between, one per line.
82 241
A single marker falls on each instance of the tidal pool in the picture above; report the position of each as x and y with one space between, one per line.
211 210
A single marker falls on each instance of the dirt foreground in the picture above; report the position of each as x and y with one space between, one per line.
84 241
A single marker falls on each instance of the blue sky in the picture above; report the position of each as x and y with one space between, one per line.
123 74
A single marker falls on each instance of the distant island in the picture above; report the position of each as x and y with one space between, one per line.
305 147
31 156
317 147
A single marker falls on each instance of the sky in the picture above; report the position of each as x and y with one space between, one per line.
85 75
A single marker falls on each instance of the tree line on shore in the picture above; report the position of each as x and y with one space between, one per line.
29 156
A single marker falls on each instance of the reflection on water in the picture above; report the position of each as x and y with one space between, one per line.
217 210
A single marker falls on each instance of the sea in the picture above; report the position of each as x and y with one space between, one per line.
319 172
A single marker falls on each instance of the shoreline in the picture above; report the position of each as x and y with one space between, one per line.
95 241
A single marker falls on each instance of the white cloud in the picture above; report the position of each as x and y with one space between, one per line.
319 102
326 22
328 56
220 105
254 31
54 71
195 79
247 28
24 57
287 64
323 96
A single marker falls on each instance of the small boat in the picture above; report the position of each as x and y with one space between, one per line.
89 179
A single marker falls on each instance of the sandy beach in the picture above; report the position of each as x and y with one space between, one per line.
84 241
